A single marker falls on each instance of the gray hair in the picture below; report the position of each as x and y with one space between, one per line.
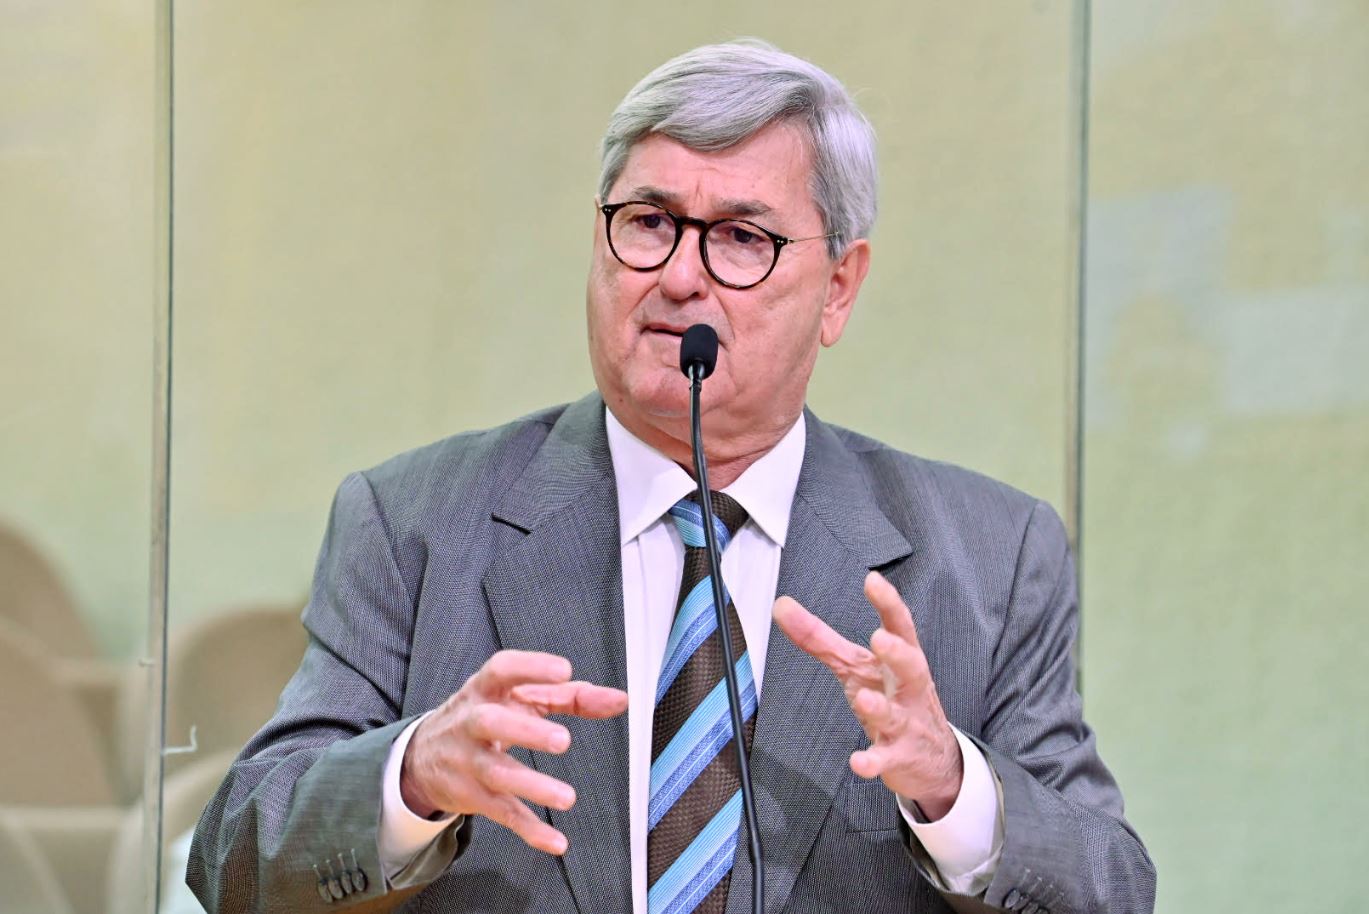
719 95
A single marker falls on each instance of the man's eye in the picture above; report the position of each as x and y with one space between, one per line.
742 236
651 221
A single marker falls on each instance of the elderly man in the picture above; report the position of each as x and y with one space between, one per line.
511 695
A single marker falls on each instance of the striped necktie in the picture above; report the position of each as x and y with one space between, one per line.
694 813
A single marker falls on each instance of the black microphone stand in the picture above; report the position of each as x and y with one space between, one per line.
734 701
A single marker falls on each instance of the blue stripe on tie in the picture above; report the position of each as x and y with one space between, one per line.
702 865
689 520
697 743
695 621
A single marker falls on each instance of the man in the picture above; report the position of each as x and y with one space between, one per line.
914 734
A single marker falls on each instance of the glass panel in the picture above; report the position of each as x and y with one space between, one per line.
1226 514
344 295
347 289
79 227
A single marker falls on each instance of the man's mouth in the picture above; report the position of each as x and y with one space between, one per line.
666 329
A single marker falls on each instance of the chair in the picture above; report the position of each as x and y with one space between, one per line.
75 843
224 676
185 794
29 884
51 754
56 786
33 596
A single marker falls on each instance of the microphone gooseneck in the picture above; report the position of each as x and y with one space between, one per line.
698 357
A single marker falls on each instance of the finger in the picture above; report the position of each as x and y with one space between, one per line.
507 726
581 699
506 669
893 612
512 814
905 661
499 773
869 763
874 711
818 638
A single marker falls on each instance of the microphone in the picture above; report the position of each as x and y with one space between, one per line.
698 358
699 348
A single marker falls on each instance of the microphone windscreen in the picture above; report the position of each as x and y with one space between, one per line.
699 345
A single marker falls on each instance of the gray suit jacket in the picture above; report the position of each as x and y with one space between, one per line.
508 538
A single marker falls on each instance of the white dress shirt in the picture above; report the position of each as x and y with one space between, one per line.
965 844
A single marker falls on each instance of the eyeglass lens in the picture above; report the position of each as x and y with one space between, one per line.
738 253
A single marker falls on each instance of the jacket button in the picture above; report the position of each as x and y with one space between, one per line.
357 876
323 891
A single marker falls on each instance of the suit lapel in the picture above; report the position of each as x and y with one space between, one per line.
805 732
559 590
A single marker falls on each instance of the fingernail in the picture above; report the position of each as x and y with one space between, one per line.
879 640
561 844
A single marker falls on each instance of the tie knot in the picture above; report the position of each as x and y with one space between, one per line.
728 517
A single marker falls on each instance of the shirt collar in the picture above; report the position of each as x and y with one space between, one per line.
649 482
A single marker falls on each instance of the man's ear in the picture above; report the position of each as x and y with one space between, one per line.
847 276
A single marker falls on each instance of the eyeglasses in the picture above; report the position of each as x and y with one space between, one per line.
737 253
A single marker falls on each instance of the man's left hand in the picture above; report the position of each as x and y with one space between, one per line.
889 687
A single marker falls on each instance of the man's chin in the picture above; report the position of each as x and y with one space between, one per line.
661 394
665 404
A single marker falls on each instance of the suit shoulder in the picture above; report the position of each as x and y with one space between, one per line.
924 491
467 465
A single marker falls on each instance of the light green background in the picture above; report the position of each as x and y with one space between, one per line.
77 278
383 232
1226 507
382 218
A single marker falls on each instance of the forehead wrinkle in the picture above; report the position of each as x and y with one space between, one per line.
722 208
728 183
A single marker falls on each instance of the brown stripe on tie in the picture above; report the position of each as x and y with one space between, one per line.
710 791
703 672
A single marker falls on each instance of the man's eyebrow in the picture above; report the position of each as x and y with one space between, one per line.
652 194
743 207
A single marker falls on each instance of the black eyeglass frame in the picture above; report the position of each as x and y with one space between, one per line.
682 222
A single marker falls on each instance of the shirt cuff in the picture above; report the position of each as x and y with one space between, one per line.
403 833
967 842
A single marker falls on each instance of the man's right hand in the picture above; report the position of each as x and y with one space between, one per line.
457 761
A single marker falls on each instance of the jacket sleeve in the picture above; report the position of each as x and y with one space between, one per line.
1066 847
294 825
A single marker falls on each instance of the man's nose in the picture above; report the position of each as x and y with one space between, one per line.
684 276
